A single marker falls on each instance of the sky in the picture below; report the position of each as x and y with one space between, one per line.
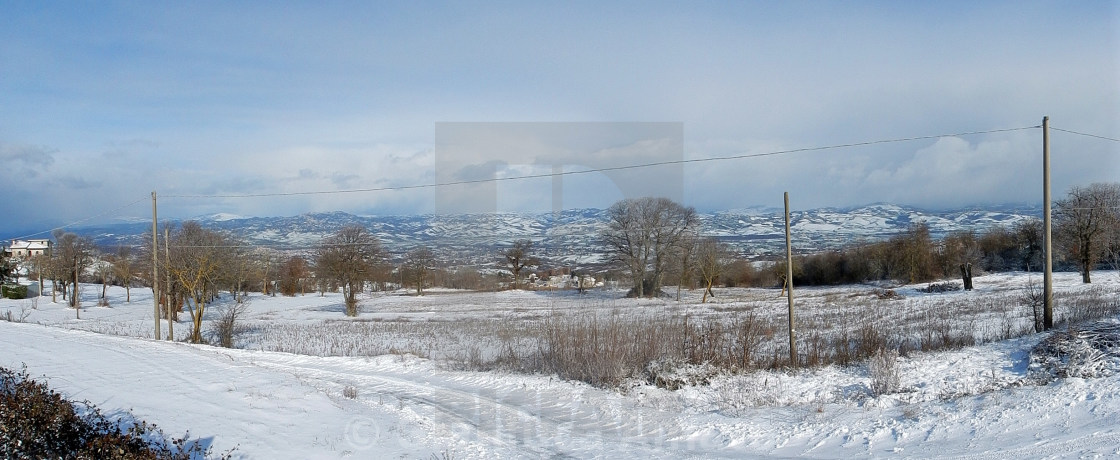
102 103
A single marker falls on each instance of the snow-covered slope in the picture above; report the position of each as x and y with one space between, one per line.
358 390
277 405
571 237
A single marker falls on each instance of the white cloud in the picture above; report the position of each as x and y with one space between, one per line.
189 100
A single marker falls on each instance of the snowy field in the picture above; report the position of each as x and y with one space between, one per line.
304 381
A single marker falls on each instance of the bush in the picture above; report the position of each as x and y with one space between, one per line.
883 370
13 291
37 422
665 351
226 328
1086 352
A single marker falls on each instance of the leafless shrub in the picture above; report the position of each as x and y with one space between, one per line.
1034 297
750 331
227 326
870 340
1091 304
350 392
21 317
887 294
598 351
818 350
882 367
667 351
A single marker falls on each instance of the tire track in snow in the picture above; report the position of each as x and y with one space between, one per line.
220 399
1095 444
515 418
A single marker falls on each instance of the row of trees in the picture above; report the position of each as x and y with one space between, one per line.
651 237
914 256
651 241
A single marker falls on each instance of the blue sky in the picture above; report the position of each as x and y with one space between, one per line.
103 102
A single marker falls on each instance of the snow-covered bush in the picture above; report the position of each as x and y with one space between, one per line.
226 328
882 367
1088 352
37 422
14 291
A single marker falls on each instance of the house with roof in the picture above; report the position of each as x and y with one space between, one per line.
24 249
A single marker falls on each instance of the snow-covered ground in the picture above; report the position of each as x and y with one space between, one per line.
384 385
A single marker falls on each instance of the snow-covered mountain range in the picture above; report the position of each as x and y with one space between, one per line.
571 237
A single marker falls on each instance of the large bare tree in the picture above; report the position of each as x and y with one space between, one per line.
292 276
642 234
518 257
349 257
74 255
1084 221
197 257
417 264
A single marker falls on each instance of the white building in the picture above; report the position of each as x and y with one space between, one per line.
23 249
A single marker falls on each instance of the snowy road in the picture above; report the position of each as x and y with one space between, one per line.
276 405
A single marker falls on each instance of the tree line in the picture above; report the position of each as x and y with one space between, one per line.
650 242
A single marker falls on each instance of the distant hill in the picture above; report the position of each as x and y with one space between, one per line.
570 238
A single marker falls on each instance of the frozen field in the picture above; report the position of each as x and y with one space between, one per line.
402 379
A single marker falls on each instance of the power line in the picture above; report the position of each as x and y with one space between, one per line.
1085 134
607 169
566 173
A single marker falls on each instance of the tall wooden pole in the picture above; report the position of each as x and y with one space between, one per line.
1048 271
155 265
789 289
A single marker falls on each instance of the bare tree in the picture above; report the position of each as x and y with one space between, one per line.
685 257
51 266
123 267
912 257
1112 254
1084 221
265 268
240 262
711 258
417 264
292 274
104 270
196 261
642 234
74 256
1028 237
349 257
518 257
39 264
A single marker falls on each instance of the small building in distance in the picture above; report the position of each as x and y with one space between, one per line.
24 249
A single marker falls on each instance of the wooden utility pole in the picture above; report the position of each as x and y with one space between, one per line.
155 265
789 289
1048 271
